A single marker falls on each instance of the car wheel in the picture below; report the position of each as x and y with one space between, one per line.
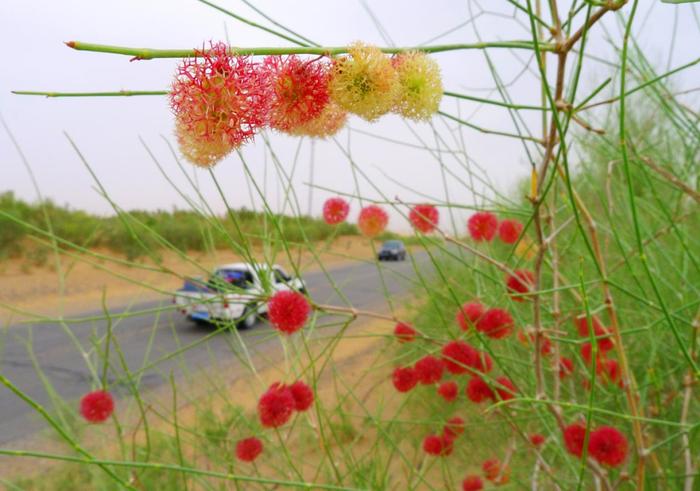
249 318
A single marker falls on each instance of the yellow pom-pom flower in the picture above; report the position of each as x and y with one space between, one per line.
420 85
364 82
203 151
328 123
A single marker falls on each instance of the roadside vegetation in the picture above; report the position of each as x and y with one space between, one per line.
550 342
139 233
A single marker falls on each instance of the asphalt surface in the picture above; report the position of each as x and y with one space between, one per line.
44 361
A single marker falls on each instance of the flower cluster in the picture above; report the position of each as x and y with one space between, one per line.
606 444
483 226
442 445
495 323
597 349
221 99
279 402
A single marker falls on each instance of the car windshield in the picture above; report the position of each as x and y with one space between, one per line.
393 244
236 278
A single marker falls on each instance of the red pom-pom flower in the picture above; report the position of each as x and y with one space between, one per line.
218 99
478 390
404 378
520 282
472 483
574 437
303 395
97 406
404 333
335 210
469 314
299 90
372 221
248 449
429 369
448 390
482 226
495 323
459 356
276 406
424 218
608 446
509 231
288 311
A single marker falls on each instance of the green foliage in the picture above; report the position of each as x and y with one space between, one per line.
138 233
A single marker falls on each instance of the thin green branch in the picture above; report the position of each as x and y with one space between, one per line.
149 53
119 93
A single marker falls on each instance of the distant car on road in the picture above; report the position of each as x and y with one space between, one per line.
392 250
234 292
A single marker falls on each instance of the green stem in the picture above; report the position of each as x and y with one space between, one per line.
170 467
124 93
149 54
494 103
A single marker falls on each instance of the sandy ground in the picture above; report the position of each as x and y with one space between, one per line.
84 278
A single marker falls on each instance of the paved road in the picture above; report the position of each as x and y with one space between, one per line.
55 352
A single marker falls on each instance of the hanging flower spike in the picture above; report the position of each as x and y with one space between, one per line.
299 90
200 152
520 282
248 449
469 314
364 82
276 406
219 99
328 123
372 221
97 406
566 367
608 446
509 231
288 311
424 218
495 323
335 210
404 333
482 226
420 85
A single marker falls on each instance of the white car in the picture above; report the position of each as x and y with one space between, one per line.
234 292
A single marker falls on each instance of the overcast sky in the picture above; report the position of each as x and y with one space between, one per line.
107 130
